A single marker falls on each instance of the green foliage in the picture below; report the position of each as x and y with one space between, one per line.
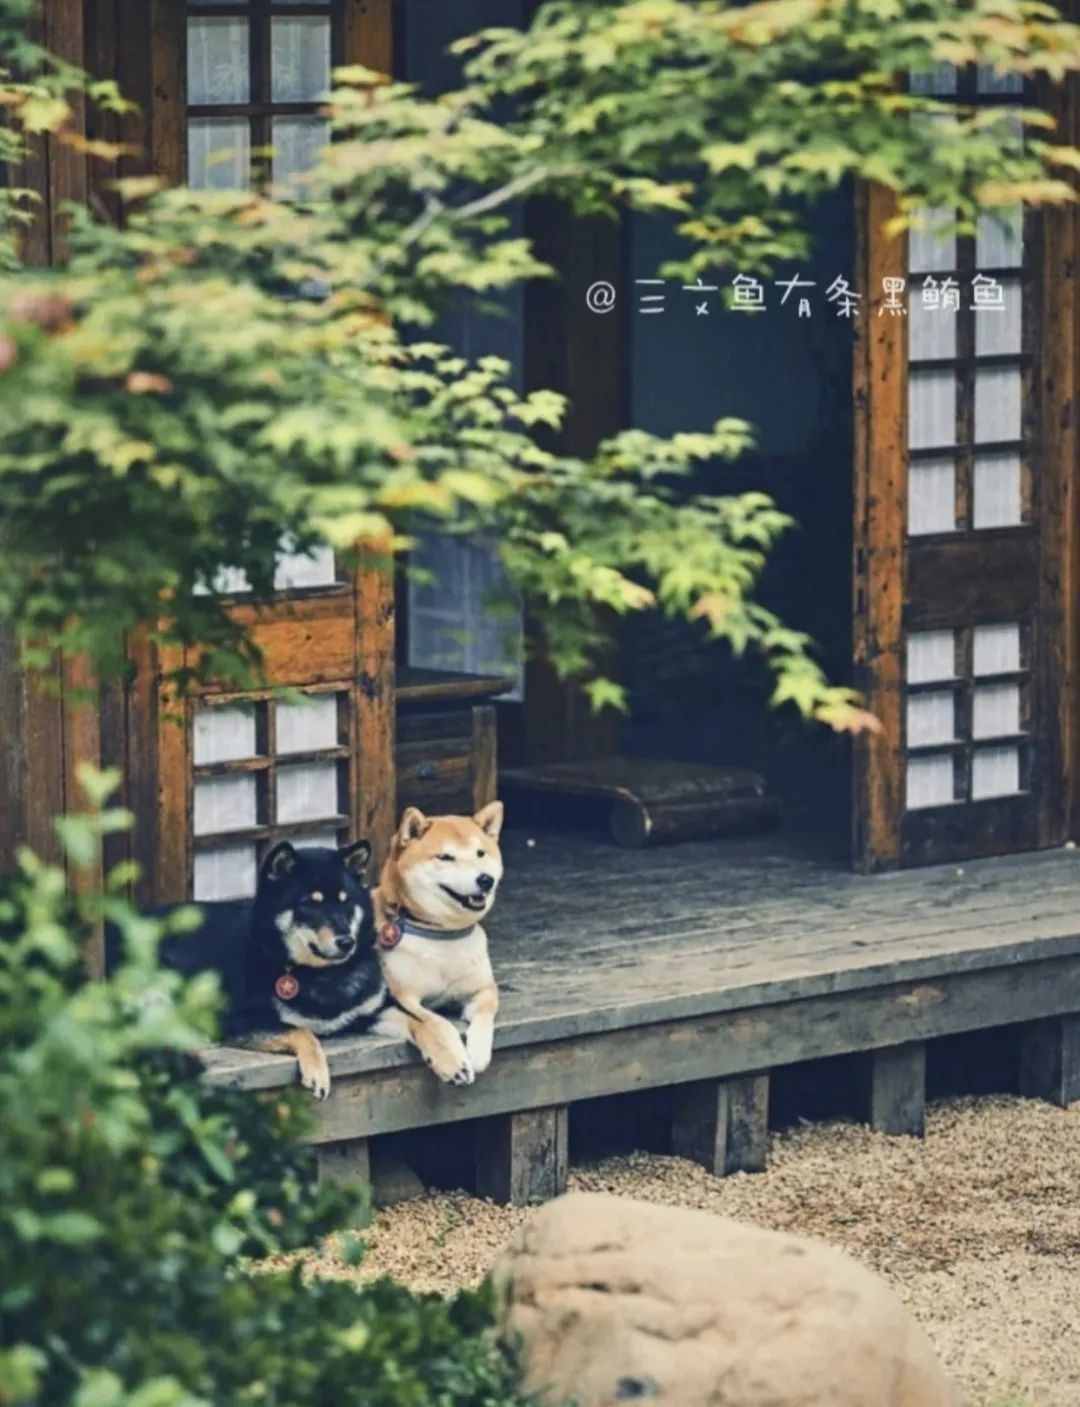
130 1194
233 370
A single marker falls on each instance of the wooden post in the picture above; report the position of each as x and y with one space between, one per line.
523 1158
1050 1060
348 1161
485 782
897 1093
723 1124
881 391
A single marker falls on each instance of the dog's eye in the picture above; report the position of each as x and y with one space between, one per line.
315 897
444 857
480 854
343 896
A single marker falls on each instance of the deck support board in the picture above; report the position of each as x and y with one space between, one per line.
523 1157
897 1089
1050 1060
348 1160
722 1124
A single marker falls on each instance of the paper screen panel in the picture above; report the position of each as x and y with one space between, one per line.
932 496
997 401
1000 333
218 60
297 142
931 656
996 491
296 571
931 408
219 153
931 781
996 648
307 792
995 771
995 710
300 59
223 735
307 725
931 330
930 251
931 718
224 804
225 872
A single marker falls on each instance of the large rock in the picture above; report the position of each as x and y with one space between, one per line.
620 1301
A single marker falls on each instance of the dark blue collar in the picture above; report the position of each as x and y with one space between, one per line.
409 926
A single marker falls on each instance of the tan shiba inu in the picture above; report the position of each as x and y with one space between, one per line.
438 883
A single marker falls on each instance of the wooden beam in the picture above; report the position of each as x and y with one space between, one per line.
722 1124
485 780
1050 1061
402 1094
880 384
523 1157
368 34
897 1089
168 79
65 36
374 803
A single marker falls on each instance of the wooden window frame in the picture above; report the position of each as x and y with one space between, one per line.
261 109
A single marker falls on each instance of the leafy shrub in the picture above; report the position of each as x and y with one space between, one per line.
131 1193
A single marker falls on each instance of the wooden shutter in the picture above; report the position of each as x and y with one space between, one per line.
964 541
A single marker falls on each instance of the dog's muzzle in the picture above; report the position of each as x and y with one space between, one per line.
333 947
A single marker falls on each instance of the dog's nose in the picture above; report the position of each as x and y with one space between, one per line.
485 882
343 944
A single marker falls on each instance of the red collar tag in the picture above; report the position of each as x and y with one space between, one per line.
286 987
389 934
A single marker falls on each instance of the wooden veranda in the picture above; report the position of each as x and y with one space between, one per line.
703 967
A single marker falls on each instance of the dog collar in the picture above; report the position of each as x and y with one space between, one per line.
402 925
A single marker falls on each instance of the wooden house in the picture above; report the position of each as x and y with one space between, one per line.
931 456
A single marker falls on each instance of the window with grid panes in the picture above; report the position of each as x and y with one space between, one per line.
264 770
257 74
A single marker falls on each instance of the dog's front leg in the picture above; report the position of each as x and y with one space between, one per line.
480 1014
436 1039
310 1056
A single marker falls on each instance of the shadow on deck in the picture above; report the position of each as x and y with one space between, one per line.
701 968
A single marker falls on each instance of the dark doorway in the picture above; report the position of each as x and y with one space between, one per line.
788 371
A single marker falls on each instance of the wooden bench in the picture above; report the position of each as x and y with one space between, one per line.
816 964
653 802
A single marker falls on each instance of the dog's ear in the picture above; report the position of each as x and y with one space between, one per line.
356 857
490 819
280 861
413 825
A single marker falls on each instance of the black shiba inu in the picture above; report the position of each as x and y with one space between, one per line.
297 963
312 969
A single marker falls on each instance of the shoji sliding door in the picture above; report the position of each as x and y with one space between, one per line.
964 470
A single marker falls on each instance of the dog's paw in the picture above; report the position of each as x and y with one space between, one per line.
451 1065
464 1075
316 1078
479 1053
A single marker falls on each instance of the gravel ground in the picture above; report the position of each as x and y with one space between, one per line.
977 1228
